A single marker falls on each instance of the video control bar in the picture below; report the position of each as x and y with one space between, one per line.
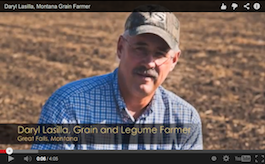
201 156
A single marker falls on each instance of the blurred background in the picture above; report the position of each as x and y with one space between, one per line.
221 71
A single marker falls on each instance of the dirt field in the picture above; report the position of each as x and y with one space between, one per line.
221 71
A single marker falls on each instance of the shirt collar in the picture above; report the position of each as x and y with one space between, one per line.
118 98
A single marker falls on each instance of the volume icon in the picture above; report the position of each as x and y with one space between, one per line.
28 158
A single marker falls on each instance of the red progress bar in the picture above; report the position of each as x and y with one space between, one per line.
2 151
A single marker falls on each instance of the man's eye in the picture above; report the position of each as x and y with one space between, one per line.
141 50
160 54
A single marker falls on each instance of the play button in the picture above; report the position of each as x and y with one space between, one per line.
10 158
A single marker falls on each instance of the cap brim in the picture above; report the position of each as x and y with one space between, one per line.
157 31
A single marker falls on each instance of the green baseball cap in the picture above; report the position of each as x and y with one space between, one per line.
157 20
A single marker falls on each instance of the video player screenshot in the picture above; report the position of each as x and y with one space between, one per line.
85 81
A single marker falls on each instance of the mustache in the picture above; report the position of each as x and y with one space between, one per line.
144 71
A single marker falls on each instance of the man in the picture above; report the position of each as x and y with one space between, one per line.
148 50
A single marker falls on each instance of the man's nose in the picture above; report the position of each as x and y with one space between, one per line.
149 61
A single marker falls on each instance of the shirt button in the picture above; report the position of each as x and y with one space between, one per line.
124 119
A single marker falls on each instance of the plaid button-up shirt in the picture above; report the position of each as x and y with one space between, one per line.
97 100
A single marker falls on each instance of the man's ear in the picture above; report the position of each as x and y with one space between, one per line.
119 47
175 59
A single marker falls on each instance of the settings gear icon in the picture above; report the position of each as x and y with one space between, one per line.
225 158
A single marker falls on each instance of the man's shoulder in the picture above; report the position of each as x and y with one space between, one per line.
178 105
84 86
173 98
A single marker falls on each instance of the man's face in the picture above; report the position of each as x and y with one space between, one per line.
145 61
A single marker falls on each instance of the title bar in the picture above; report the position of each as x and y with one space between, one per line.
128 6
